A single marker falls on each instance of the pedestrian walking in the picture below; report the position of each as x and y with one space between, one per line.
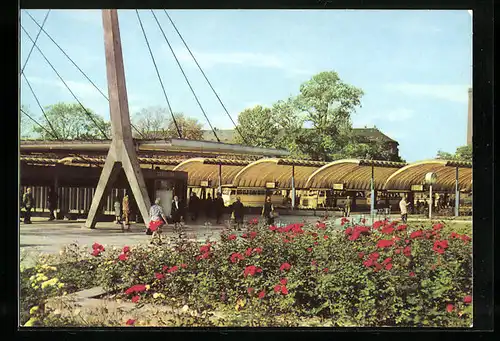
208 206
28 203
157 220
52 203
268 211
219 207
118 211
403 205
238 213
194 206
177 211
347 206
126 212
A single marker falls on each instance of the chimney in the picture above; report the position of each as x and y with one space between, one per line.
469 119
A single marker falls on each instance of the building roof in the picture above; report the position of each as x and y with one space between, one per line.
228 135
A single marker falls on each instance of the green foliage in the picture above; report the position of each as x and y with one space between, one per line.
157 123
463 153
72 122
325 103
328 281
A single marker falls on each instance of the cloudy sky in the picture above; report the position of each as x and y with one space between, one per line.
414 66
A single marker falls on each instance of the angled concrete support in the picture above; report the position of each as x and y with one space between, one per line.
122 152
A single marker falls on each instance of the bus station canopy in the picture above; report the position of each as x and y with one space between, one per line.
414 174
353 174
207 169
263 171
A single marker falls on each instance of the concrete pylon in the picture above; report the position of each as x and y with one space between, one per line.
122 151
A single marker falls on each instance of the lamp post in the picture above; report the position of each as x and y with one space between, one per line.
430 179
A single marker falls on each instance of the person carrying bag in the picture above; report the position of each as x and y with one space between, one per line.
156 221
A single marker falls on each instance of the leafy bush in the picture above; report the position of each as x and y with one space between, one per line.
342 274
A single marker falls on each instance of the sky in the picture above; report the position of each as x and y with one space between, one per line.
413 66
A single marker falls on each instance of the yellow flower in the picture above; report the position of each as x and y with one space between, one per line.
53 268
36 287
33 310
50 282
32 278
60 285
31 322
148 286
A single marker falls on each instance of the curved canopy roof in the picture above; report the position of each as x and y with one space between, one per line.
201 169
353 174
414 174
259 172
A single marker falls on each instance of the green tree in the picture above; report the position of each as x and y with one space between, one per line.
156 123
259 127
463 153
373 150
26 125
328 104
72 122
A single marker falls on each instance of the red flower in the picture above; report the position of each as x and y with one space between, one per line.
97 246
454 235
283 281
136 288
250 290
253 234
369 262
285 266
272 228
130 322
262 294
468 299
449 308
313 262
407 251
378 267
343 221
284 290
387 229
173 269
231 237
348 231
402 227
388 266
315 243
96 253
244 235
416 234
235 257
248 252
407 241
277 288
159 276
183 265
257 250
387 260
376 225
358 230
122 257
205 248
135 299
437 227
251 270
398 251
412 274
126 249
383 243
325 270
164 268
374 255
361 254
325 237
309 249
206 255
440 246
321 225
465 238
363 220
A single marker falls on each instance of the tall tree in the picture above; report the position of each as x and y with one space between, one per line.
259 127
26 124
463 153
151 122
71 122
328 103
190 127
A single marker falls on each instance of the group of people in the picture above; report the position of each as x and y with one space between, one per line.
122 212
28 203
210 207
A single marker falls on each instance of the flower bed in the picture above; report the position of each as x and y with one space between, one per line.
387 274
